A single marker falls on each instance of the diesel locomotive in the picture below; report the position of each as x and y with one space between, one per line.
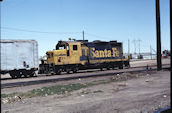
71 56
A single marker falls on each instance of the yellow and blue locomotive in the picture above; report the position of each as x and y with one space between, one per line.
81 54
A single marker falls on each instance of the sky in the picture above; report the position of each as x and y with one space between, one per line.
48 21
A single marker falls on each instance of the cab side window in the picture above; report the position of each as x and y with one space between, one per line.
67 47
75 47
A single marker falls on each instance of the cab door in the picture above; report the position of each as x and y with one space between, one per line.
75 53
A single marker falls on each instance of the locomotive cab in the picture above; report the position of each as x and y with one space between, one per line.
65 58
67 52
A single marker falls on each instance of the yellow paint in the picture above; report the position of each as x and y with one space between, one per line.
106 60
60 56
115 52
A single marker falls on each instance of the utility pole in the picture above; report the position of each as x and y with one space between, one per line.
151 52
158 32
83 35
170 26
128 49
139 45
134 41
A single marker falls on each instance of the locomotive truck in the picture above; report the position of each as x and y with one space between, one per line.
81 54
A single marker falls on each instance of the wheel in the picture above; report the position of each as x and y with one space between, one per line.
32 74
113 67
68 71
75 70
26 73
101 69
120 67
108 68
14 74
19 74
58 72
52 73
127 64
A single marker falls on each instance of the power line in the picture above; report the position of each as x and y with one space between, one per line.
35 31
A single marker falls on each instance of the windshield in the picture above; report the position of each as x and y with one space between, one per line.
63 47
59 47
49 55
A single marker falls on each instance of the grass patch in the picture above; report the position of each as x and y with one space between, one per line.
58 89
9 95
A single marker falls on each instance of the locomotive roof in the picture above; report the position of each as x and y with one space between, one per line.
86 42
64 42
98 42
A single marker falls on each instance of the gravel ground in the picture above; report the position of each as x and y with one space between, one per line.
142 94
148 62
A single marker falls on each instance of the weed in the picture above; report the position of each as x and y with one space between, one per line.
98 91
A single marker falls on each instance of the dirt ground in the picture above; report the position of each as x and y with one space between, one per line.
143 94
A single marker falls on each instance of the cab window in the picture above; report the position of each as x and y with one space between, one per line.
75 47
59 47
49 55
62 47
67 47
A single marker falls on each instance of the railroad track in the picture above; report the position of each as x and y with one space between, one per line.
77 76
85 71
